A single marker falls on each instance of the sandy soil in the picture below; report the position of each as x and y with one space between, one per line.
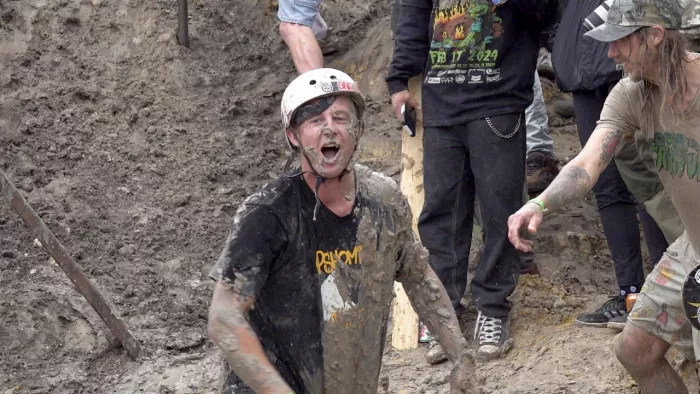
136 153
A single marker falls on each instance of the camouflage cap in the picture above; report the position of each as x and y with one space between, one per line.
627 16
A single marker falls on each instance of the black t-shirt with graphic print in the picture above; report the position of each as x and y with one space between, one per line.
477 59
309 278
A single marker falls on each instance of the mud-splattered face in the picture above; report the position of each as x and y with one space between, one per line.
328 139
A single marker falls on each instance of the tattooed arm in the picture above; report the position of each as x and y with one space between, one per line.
231 332
580 174
573 182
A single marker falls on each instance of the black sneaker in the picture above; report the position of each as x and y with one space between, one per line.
494 337
614 307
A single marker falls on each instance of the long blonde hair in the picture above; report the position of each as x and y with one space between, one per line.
671 58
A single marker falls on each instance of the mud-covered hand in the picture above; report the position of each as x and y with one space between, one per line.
528 217
398 99
463 379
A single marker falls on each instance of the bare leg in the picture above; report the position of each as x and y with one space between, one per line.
306 53
642 354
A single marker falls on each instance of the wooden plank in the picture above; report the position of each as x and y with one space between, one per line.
68 265
183 34
405 331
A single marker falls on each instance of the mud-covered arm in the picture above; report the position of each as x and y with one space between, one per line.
411 43
251 251
424 289
429 298
230 331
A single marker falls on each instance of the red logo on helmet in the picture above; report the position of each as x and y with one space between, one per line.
342 85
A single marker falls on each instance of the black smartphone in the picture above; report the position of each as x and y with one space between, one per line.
409 118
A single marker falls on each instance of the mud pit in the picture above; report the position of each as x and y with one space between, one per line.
136 152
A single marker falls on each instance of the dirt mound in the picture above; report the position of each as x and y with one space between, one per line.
136 152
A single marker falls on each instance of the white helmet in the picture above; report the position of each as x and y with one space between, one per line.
316 84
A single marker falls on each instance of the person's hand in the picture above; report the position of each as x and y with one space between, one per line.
463 379
398 99
530 217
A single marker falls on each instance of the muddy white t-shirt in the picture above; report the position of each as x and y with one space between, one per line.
322 288
673 141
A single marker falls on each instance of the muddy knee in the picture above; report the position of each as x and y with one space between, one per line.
639 350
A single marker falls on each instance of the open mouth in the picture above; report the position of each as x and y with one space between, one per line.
330 151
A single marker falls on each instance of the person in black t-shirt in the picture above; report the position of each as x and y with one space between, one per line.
478 61
305 280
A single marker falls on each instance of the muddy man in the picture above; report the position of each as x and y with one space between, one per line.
305 280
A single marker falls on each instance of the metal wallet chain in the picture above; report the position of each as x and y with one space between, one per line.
517 126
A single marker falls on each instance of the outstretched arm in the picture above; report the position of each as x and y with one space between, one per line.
573 182
577 178
231 332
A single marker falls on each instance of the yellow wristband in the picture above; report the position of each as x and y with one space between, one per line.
540 203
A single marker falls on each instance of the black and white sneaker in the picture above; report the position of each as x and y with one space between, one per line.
614 307
493 335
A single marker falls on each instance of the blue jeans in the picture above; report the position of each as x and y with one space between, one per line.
461 162
537 123
301 12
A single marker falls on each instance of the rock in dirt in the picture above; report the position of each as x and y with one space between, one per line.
182 200
8 254
564 108
127 250
186 341
435 355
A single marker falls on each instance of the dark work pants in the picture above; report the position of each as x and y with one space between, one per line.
616 205
655 238
460 161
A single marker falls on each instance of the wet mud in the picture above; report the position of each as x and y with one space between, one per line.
136 153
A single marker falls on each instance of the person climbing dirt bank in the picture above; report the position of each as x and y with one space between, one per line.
659 101
283 326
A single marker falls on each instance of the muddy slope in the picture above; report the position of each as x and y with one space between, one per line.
136 152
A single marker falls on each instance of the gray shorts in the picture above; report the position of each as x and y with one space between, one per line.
659 308
301 12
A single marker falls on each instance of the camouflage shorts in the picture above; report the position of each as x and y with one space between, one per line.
659 308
